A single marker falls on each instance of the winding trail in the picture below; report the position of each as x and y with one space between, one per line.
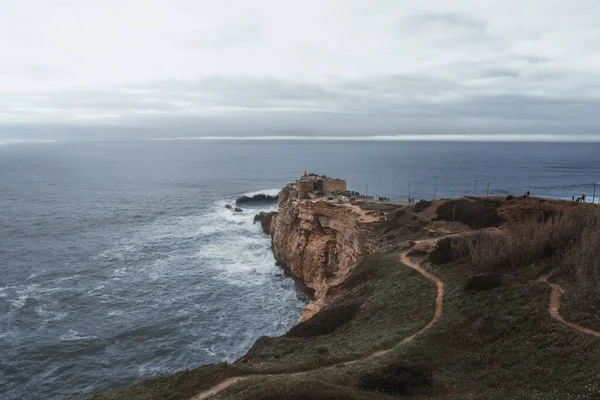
554 307
436 316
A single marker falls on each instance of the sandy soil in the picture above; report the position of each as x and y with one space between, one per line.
554 307
365 216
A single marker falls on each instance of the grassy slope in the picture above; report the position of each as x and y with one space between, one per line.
395 301
576 306
495 344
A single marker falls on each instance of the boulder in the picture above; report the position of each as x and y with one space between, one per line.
237 209
228 206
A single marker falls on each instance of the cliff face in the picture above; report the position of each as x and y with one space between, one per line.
318 242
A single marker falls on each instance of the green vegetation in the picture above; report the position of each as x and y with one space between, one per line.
492 344
179 386
383 302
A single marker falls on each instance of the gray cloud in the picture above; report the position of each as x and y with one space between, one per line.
336 68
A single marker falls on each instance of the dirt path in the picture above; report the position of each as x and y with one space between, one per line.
557 291
436 315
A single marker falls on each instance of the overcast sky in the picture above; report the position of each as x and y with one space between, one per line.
153 68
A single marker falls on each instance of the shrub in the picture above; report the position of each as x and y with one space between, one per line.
422 205
582 260
571 236
483 282
325 321
401 378
476 214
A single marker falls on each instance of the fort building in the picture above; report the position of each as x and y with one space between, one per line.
313 185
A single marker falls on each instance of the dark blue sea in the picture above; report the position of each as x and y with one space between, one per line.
119 260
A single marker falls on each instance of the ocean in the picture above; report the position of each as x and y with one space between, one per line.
119 260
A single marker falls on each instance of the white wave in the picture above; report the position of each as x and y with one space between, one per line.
96 289
226 242
112 313
49 315
74 335
269 192
27 292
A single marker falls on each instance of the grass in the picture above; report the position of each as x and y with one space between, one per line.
493 344
182 385
386 300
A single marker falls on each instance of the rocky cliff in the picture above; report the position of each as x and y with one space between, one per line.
317 241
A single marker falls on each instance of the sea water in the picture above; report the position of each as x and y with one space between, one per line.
119 260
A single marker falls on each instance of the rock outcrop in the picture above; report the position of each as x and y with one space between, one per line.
317 241
265 219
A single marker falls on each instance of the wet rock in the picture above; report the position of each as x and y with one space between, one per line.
237 209
228 206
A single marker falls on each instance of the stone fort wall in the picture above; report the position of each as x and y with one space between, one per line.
333 185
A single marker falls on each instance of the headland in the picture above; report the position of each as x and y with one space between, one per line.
477 297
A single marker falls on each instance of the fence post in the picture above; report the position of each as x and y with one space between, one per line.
487 193
594 195
409 192
475 191
434 191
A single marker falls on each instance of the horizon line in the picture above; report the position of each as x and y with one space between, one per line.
534 138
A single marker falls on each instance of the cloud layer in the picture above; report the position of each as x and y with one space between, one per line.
352 67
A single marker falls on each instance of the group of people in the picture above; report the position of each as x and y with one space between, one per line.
580 198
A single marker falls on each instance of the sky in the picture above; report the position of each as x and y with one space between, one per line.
518 70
